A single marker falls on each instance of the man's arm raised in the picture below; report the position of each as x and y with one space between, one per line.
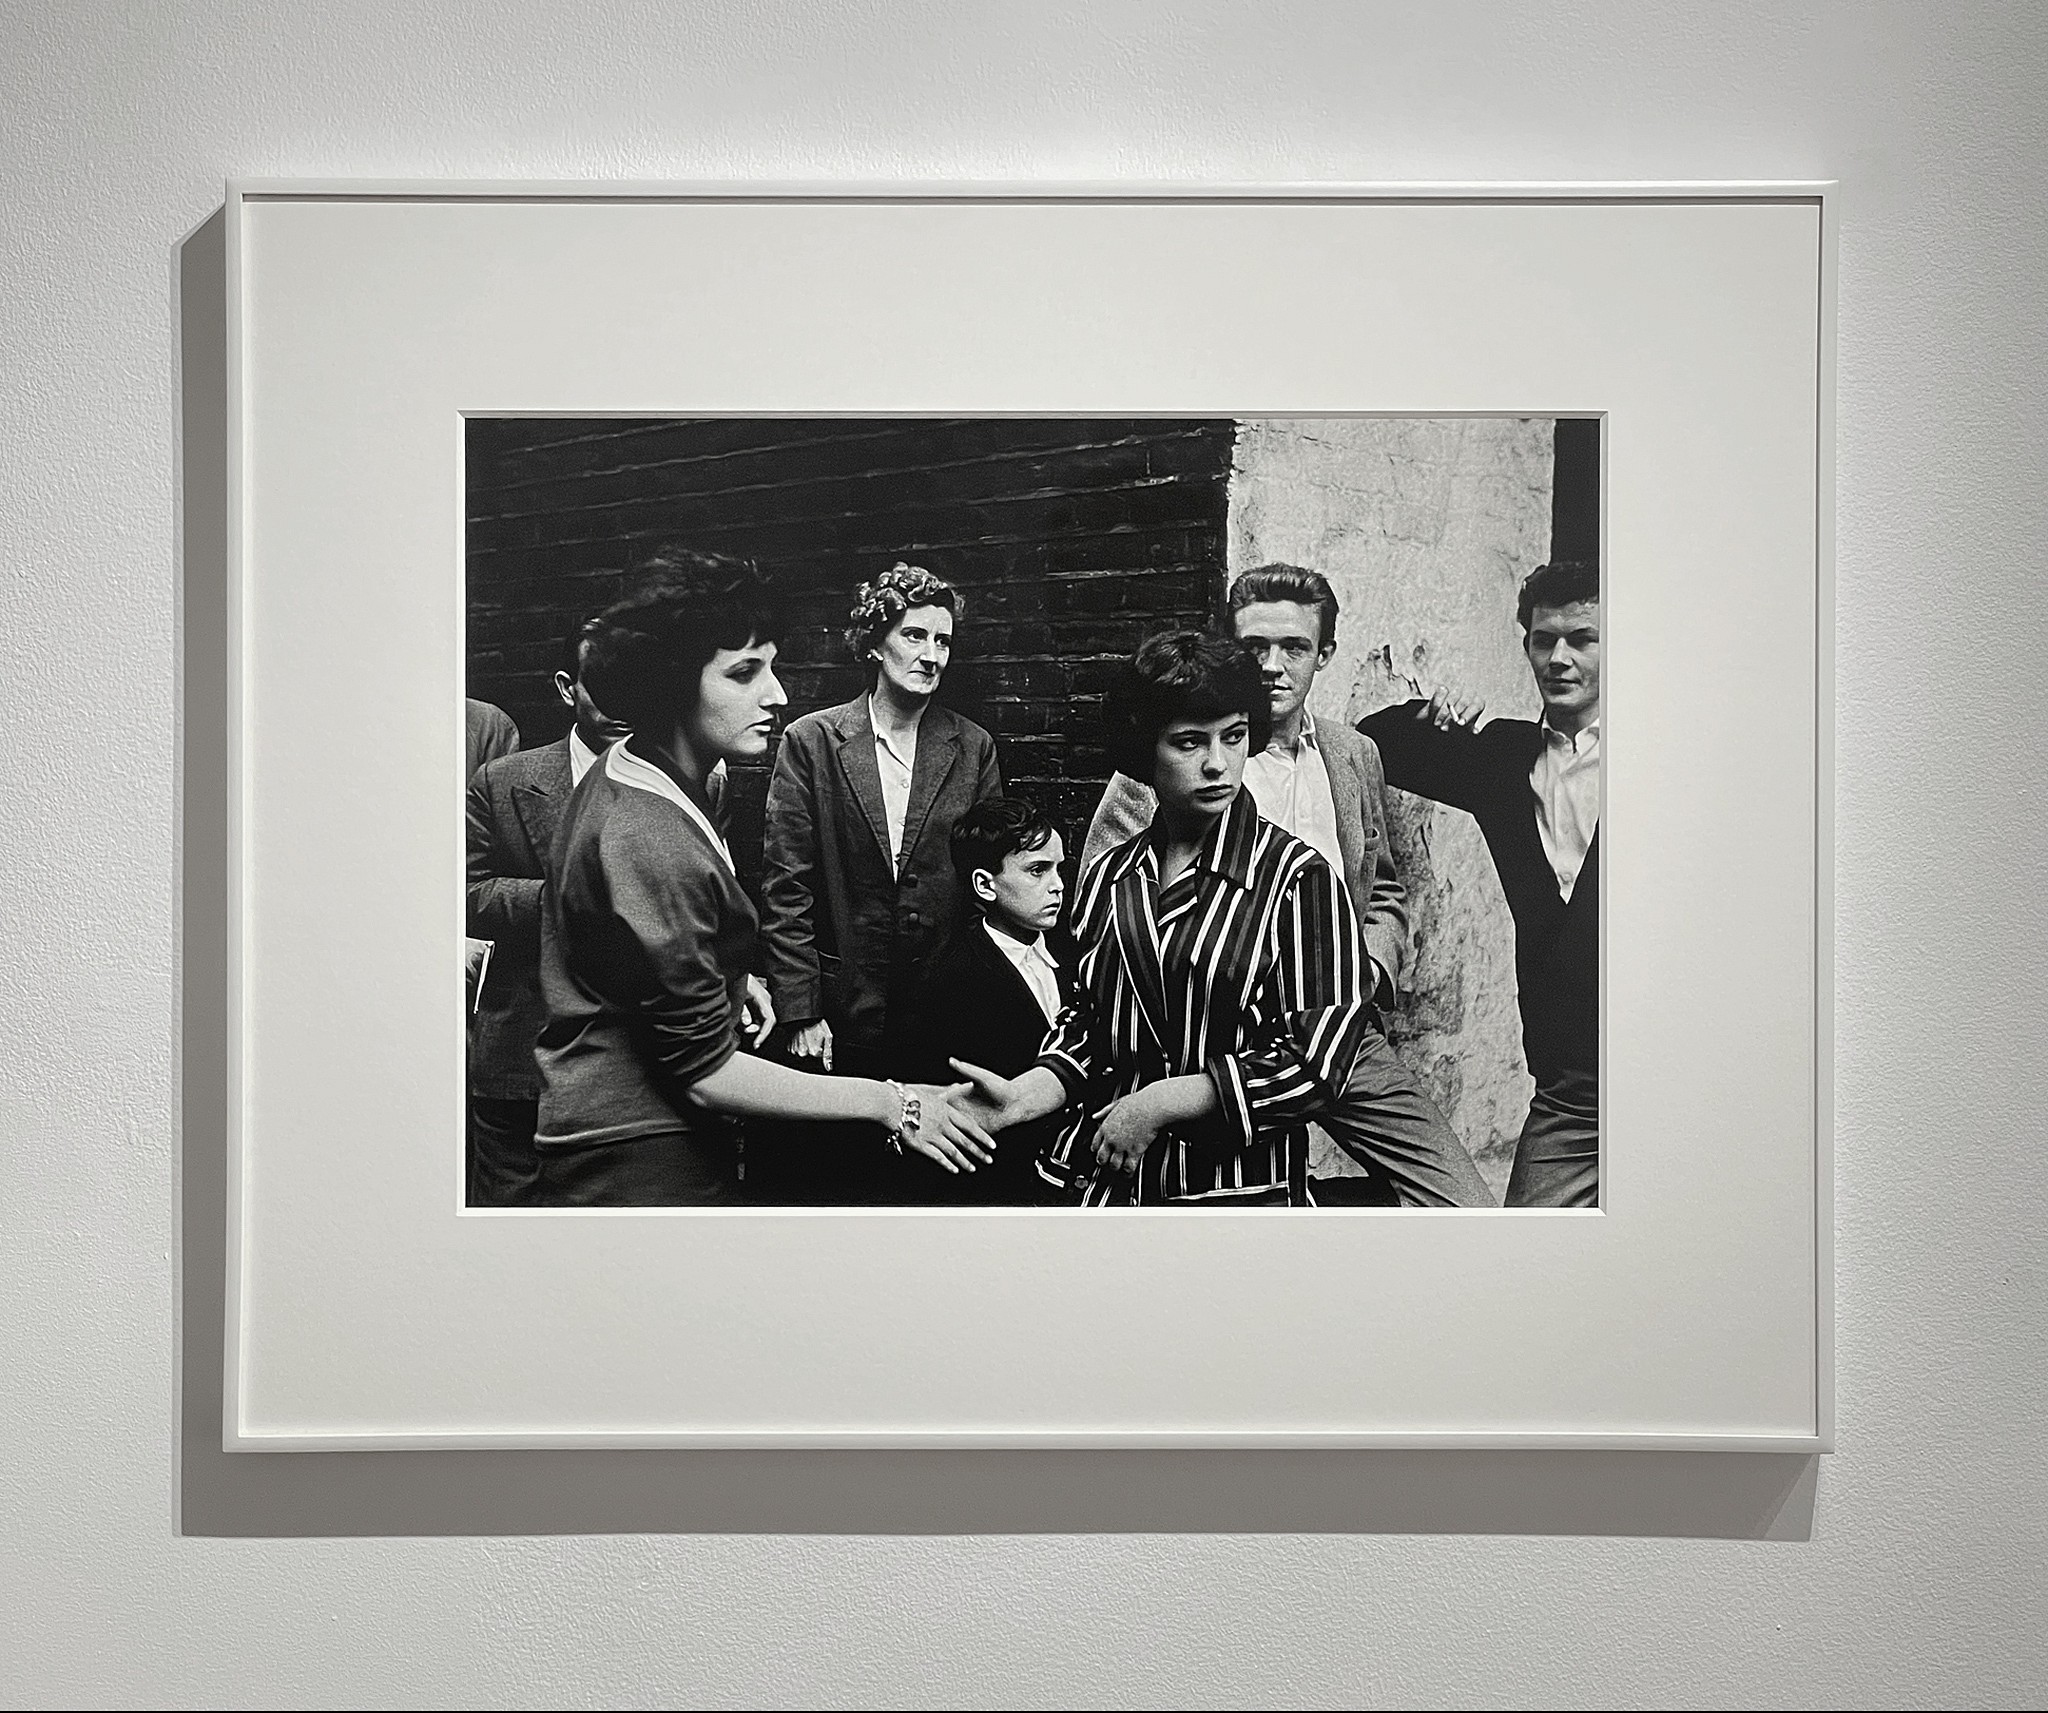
1428 745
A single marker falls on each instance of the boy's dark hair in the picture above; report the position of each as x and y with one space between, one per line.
878 604
1181 675
1557 584
995 829
646 653
1290 583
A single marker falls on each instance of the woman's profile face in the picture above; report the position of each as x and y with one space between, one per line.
737 697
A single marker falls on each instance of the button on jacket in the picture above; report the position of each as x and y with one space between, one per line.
846 919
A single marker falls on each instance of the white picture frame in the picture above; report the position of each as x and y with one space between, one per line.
366 1310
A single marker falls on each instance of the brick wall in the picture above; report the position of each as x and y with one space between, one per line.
1073 539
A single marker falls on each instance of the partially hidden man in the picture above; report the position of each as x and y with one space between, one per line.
515 804
858 888
1534 788
1322 782
487 733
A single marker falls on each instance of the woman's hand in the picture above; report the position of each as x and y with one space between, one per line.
947 1129
1125 1131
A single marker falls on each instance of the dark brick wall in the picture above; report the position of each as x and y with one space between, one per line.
1072 539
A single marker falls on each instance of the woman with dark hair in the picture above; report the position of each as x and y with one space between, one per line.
647 937
1222 979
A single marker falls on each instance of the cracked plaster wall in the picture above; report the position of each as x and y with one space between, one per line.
1424 527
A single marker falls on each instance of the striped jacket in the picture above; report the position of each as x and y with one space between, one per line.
1249 968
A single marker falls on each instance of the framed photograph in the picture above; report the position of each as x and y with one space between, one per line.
981 817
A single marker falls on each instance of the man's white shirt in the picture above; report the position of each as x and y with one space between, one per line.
581 757
1293 792
1566 783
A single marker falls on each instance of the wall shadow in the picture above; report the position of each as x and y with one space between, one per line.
1751 1496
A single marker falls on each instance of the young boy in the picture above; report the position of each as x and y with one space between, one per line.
996 988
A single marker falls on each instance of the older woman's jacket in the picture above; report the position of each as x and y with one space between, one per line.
843 922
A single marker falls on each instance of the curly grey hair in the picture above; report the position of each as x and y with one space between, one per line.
879 604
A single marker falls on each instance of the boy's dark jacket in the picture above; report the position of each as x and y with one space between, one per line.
978 1008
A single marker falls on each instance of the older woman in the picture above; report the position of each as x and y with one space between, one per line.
1222 979
647 937
858 890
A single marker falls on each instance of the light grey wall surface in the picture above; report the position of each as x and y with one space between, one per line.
1921 1580
1425 527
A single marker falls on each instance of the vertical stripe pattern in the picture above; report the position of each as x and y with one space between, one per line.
1250 969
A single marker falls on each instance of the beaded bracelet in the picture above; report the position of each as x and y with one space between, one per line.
907 1118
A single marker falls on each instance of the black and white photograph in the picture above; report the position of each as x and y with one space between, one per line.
1018 813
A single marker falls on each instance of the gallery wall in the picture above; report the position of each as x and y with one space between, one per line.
1905 1570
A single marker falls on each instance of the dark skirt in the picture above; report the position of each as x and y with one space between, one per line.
676 1169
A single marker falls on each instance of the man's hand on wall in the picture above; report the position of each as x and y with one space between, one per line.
1451 710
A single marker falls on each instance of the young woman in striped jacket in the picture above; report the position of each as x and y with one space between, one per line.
1222 977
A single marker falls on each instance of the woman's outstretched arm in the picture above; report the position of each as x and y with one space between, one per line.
948 1129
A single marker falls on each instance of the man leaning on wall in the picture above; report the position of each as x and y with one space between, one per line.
1534 788
1322 782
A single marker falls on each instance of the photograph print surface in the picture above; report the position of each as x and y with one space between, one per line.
1033 813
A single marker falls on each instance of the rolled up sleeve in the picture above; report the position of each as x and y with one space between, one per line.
1307 1020
667 917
